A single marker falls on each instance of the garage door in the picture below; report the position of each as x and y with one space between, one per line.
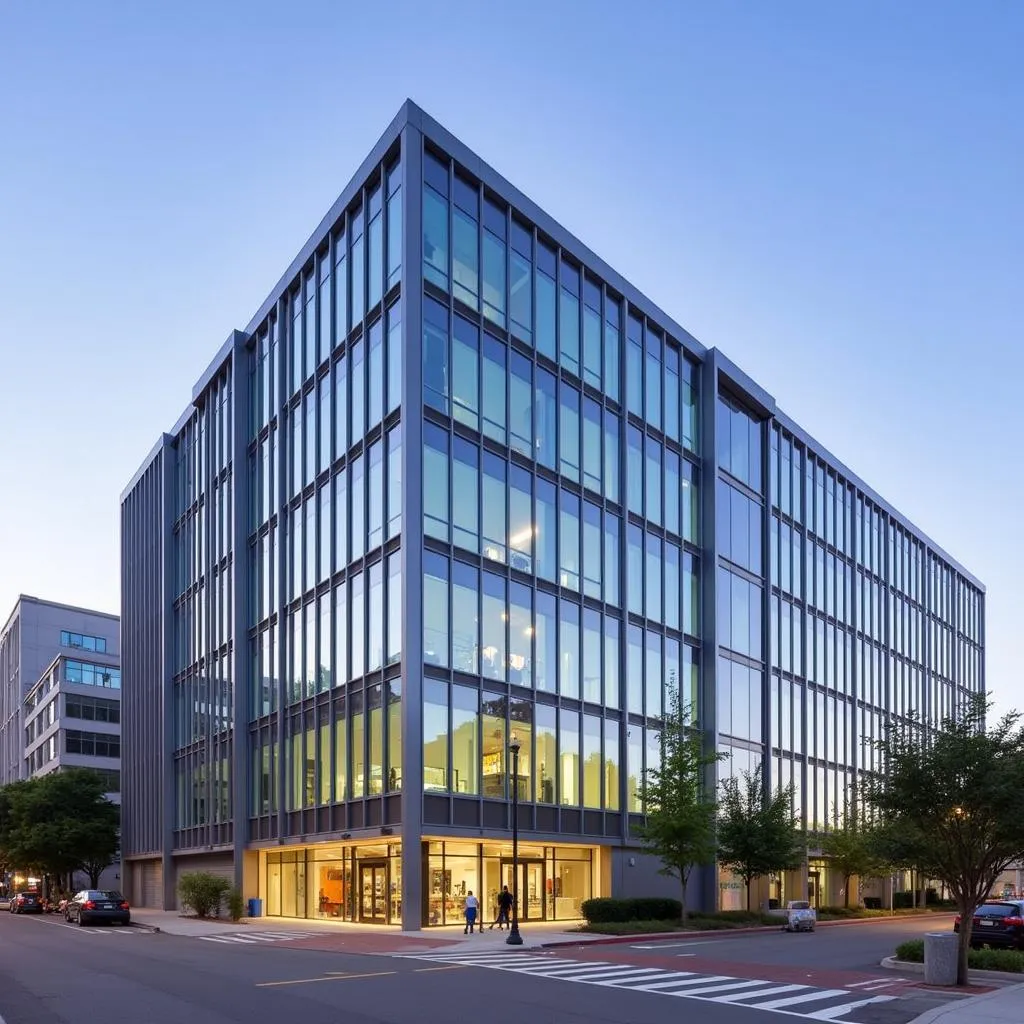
152 884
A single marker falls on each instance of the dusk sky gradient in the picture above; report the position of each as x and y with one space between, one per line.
831 193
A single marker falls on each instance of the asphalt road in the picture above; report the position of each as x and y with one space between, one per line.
848 947
52 973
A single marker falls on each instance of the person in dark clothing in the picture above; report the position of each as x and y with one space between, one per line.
504 908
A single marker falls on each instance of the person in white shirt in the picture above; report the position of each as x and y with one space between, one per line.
471 907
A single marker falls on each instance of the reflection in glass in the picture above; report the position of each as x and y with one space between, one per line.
465 745
521 530
465 497
495 528
546 752
465 373
465 642
569 649
547 643
520 401
612 648
546 531
569 758
435 481
435 735
611 765
495 620
493 747
494 381
435 609
592 655
520 714
520 645
569 540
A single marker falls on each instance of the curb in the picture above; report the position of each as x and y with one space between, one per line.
611 940
890 963
956 1006
151 928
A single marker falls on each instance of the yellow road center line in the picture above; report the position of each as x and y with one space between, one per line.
329 977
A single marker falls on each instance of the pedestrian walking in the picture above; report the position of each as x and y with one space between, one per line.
471 907
504 908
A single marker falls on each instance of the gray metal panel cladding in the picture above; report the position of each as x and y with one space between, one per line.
142 658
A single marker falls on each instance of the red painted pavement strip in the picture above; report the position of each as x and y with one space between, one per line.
700 964
724 933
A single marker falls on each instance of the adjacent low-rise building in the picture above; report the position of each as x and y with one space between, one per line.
458 481
60 695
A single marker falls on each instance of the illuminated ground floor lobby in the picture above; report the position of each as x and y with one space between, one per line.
362 882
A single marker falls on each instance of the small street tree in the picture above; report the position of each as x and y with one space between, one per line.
757 833
958 793
680 825
851 852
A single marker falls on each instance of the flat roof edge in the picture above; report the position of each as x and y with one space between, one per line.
818 448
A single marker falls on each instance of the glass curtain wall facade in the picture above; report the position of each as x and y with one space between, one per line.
458 481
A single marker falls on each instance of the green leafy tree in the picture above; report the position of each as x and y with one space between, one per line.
957 795
680 807
757 833
59 823
851 852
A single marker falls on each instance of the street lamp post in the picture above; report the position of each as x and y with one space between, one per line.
514 938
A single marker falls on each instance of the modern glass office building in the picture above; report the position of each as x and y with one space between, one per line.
458 480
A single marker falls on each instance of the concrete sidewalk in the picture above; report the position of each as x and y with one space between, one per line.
1000 1007
170 922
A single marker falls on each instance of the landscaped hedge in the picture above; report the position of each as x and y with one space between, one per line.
648 908
1009 960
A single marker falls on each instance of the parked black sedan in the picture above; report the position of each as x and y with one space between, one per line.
27 903
91 905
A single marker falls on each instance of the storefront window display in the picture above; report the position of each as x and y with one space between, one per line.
363 883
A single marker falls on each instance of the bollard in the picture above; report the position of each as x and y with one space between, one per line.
940 958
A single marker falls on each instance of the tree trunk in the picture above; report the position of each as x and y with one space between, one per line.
94 878
682 902
846 892
749 880
966 924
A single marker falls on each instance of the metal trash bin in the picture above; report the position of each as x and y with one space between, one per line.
255 908
941 952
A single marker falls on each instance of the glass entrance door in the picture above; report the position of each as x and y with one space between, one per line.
530 889
373 892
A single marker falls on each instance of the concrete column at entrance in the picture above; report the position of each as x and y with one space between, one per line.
760 890
854 894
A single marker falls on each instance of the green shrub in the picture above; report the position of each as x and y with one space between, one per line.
656 908
236 905
912 951
996 960
605 910
202 892
1009 960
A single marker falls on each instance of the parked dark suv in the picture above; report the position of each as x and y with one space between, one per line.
27 903
997 923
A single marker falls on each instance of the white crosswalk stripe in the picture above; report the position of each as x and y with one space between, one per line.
824 1004
255 938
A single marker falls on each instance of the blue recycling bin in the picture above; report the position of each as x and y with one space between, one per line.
255 908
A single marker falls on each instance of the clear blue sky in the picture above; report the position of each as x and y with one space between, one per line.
830 193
